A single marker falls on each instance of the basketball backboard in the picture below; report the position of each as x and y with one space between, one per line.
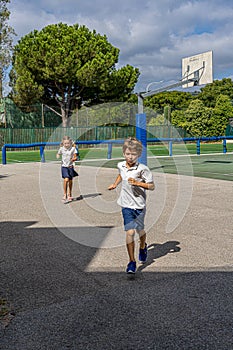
199 68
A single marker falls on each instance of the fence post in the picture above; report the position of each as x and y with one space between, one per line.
198 147
3 154
109 151
170 148
42 157
224 146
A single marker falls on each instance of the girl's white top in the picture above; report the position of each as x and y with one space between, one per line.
133 196
67 155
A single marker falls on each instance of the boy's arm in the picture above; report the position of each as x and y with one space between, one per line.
145 185
116 183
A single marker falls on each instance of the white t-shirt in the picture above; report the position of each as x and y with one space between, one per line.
67 155
133 196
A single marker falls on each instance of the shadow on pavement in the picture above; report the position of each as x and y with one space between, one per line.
156 251
58 305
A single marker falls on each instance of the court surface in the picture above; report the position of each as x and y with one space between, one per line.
63 266
215 166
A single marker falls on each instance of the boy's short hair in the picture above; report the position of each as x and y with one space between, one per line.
133 145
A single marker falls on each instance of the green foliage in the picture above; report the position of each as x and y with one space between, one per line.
157 120
222 111
28 116
206 114
210 92
120 113
6 41
67 65
174 99
200 120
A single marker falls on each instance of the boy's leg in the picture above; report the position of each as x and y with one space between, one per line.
130 244
143 247
142 238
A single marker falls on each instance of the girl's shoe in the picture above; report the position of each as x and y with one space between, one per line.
64 198
69 199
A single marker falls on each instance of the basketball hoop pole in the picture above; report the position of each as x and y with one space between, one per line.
196 70
141 133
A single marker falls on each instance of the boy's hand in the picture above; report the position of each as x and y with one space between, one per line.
132 181
112 187
57 155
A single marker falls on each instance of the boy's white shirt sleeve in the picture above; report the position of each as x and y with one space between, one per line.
147 175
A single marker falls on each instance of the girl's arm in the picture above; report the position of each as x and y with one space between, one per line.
74 158
59 152
116 183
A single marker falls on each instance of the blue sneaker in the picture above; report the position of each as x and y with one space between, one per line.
143 254
131 267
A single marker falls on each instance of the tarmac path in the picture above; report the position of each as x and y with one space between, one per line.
62 267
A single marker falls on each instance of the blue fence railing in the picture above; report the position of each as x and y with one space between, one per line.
42 146
110 143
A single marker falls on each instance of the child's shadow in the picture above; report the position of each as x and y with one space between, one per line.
156 250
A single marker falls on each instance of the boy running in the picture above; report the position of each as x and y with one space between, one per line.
136 178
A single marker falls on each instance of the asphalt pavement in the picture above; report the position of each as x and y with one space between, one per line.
62 266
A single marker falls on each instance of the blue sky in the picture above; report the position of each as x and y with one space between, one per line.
152 35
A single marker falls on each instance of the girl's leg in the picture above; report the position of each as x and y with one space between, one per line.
130 244
70 187
65 186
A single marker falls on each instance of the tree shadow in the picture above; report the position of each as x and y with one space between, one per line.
156 251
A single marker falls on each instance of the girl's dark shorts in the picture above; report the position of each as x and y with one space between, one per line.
68 172
133 218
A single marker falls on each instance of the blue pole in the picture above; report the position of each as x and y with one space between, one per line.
170 148
3 154
42 157
224 146
141 135
198 147
109 151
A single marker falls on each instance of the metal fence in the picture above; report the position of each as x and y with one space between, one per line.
55 134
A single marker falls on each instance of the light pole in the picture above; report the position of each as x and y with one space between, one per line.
153 82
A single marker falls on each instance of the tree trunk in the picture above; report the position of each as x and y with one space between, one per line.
65 118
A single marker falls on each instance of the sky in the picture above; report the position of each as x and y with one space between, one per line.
152 35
